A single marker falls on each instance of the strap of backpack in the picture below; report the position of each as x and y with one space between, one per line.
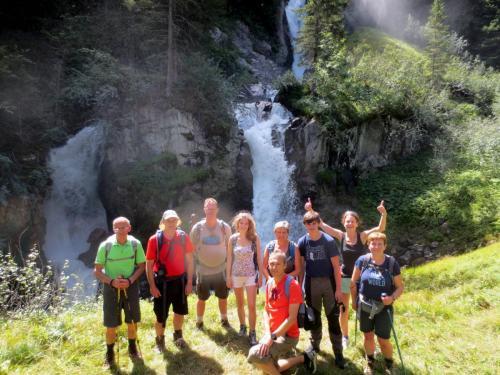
288 281
159 244
270 246
107 247
254 249
392 261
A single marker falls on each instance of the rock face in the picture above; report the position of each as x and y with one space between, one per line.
21 224
350 152
154 131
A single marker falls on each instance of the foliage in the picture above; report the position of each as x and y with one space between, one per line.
29 288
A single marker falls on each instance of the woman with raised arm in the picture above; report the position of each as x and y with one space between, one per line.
352 246
284 245
244 270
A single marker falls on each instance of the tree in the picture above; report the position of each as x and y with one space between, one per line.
437 35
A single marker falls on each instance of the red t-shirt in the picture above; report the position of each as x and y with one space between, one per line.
171 253
277 304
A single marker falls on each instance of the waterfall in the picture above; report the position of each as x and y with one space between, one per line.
294 25
274 195
73 208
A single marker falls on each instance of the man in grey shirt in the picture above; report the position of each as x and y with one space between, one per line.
210 237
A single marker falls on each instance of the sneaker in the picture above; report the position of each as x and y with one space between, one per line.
225 323
314 348
160 344
199 325
345 342
339 360
243 330
253 338
109 360
311 363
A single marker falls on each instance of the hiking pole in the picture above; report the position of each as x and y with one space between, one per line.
356 324
396 340
133 322
118 328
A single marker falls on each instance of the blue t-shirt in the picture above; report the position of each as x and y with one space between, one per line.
318 254
376 279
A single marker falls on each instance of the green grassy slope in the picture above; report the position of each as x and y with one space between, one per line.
447 321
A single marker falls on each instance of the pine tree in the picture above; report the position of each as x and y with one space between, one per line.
437 35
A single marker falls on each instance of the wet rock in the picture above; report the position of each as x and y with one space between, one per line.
94 239
434 244
418 261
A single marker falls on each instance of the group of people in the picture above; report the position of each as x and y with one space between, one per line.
313 269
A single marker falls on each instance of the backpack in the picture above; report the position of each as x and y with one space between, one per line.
305 316
366 263
108 245
159 244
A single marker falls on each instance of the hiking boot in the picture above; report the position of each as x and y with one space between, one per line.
109 360
310 361
160 344
225 323
339 360
179 340
389 369
133 353
243 330
345 342
199 326
253 338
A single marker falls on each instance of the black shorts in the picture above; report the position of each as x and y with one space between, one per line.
381 323
217 283
172 293
112 306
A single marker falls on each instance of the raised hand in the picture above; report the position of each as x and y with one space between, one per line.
381 208
308 206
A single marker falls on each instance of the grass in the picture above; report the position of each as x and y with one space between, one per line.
447 322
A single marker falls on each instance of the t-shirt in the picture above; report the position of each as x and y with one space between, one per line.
277 304
376 279
317 255
350 253
171 253
211 251
121 260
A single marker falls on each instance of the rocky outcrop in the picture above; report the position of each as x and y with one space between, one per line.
152 132
21 224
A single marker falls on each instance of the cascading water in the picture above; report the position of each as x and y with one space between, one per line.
274 195
73 208
294 25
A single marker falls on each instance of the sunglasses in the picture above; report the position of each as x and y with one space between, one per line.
310 221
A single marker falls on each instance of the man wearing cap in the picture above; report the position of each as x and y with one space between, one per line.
169 269
118 265
210 237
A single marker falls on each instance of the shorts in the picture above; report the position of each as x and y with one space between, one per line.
346 285
380 323
216 282
281 347
241 281
112 306
172 293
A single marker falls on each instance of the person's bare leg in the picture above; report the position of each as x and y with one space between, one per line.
240 304
286 363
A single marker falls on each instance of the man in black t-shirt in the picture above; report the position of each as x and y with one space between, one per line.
322 282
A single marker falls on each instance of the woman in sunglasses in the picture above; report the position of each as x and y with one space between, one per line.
352 246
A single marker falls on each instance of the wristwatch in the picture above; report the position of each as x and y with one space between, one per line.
273 336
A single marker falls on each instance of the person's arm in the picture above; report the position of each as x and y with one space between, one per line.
190 270
259 262
266 341
151 279
337 276
302 270
265 262
354 289
381 224
398 283
229 263
137 273
102 277
297 264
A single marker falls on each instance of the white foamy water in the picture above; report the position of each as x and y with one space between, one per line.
73 208
294 25
274 195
